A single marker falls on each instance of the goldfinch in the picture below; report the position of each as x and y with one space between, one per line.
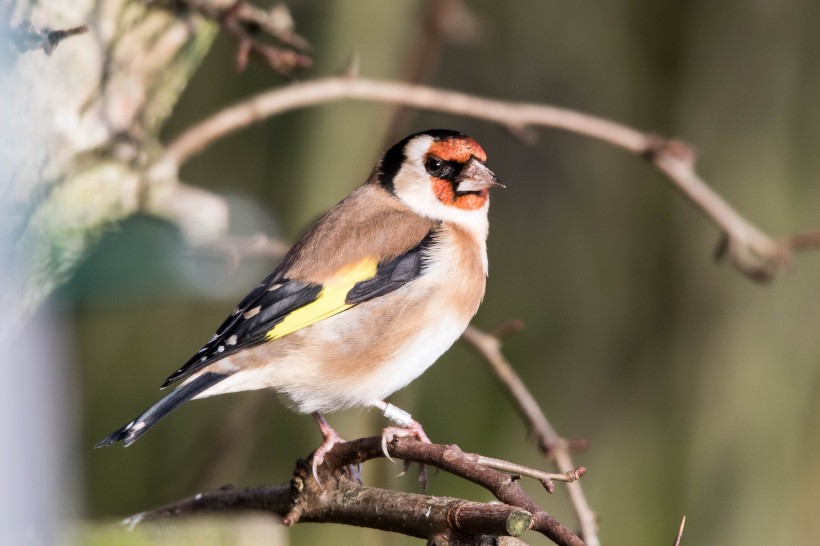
367 299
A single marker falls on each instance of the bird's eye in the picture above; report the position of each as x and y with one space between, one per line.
437 167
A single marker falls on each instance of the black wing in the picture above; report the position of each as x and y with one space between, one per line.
265 306
276 297
392 275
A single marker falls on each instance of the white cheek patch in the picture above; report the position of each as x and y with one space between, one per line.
413 186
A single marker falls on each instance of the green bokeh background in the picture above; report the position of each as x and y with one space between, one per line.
698 390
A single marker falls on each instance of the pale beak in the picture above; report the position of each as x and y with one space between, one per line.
476 176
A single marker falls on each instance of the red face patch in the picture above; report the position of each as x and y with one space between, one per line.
472 201
445 193
457 149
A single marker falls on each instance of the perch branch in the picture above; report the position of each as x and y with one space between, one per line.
451 459
548 440
341 500
416 515
750 250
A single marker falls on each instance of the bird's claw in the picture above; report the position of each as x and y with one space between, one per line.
331 439
413 430
404 470
354 472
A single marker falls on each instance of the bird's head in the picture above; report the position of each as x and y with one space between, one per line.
440 174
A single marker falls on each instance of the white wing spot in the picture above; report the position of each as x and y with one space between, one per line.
139 426
236 311
220 349
253 312
231 340
274 287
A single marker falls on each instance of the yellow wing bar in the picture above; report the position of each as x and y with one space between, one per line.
331 299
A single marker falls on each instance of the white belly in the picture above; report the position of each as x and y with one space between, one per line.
299 377
407 363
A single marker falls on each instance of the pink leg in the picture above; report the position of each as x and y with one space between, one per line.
408 427
331 438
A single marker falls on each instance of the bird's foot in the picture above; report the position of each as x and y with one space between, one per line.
412 430
331 438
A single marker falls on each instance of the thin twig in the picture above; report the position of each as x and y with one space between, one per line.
680 532
750 250
549 442
546 478
26 37
440 22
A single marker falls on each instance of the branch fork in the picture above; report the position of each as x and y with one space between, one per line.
282 60
340 498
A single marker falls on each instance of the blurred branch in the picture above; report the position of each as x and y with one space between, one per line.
26 37
442 23
549 442
275 21
235 249
246 23
340 499
284 61
802 241
229 442
750 250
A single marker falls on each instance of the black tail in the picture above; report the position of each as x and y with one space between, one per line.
136 428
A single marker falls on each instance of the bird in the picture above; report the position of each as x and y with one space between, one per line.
367 299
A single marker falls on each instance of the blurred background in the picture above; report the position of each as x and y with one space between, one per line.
698 390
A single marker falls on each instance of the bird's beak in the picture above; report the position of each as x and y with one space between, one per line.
476 176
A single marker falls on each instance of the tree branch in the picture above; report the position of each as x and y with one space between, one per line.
751 251
549 442
412 514
341 500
